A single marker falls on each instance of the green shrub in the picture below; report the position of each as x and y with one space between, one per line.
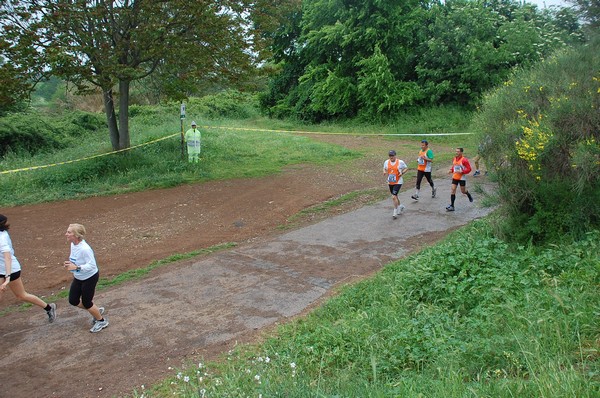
230 104
540 134
20 135
34 132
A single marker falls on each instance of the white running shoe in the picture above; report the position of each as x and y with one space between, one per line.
401 209
99 325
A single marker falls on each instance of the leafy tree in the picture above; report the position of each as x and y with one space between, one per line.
472 45
110 44
342 58
13 90
380 94
322 54
590 11
287 65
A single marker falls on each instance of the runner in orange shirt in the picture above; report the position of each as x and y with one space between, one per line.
393 170
460 168
424 169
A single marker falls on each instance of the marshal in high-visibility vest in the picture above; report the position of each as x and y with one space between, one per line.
193 139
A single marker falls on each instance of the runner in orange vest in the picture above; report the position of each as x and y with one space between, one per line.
393 170
460 168
424 169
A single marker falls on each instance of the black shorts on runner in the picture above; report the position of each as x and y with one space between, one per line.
394 189
13 277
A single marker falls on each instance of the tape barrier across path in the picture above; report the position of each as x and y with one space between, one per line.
206 305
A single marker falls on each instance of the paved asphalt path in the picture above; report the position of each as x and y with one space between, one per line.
209 302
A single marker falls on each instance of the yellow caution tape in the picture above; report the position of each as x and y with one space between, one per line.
87 157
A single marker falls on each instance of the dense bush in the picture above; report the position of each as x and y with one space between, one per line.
230 104
540 134
153 115
34 132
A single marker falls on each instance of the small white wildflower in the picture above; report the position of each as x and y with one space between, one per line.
186 379
293 365
179 375
248 371
260 359
200 366
202 392
200 379
218 382
267 359
257 377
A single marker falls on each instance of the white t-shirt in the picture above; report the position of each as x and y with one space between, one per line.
6 246
83 255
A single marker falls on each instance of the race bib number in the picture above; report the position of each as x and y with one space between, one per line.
458 169
391 178
420 160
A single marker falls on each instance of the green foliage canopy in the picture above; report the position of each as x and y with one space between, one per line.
340 59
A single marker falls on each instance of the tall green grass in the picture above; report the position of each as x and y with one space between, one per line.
472 316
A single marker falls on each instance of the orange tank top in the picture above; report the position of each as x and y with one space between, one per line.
393 170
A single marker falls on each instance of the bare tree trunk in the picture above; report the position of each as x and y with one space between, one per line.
111 118
124 141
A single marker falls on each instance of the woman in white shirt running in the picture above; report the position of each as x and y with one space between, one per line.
82 264
10 271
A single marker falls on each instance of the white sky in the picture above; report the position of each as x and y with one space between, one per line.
549 3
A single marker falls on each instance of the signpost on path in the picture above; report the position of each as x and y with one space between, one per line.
181 118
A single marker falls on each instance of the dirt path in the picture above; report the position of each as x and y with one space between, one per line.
199 307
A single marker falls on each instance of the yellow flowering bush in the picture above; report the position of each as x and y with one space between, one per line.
544 128
531 144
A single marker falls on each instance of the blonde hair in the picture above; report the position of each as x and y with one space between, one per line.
78 230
